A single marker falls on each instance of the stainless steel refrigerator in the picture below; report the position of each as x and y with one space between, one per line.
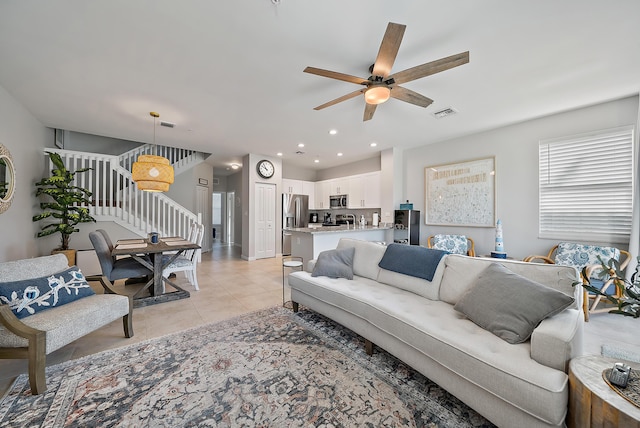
295 213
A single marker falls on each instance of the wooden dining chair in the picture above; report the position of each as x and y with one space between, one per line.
188 261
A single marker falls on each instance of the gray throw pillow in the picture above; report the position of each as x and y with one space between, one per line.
510 305
335 263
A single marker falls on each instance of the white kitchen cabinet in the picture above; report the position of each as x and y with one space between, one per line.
364 190
292 186
321 199
338 186
309 188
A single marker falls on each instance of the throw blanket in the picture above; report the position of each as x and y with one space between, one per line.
412 260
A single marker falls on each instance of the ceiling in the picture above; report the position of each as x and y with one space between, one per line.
229 74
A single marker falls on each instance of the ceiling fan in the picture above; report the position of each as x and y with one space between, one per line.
382 85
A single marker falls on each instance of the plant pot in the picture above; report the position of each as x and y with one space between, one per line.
70 254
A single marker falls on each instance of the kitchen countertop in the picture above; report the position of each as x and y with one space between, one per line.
335 229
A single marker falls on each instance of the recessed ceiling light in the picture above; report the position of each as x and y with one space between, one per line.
374 144
235 166
279 154
300 144
333 131
340 154
317 160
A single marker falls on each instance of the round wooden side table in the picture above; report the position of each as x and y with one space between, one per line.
592 402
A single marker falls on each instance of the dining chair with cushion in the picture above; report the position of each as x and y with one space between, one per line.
581 256
187 262
112 268
455 244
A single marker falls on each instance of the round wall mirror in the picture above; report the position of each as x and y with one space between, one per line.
7 179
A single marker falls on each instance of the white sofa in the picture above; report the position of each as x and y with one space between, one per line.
523 385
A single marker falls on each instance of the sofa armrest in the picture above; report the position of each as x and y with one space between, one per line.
310 265
558 339
17 327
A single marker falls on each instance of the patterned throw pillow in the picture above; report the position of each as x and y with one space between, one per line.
455 244
29 296
579 255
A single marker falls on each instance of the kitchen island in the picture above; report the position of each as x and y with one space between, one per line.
308 242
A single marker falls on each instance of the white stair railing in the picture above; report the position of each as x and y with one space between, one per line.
180 159
116 197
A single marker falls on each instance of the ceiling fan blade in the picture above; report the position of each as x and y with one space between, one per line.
409 96
430 68
369 109
388 49
339 100
336 75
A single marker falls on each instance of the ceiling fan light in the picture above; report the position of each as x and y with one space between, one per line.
377 94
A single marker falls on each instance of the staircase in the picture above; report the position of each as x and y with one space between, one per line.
116 197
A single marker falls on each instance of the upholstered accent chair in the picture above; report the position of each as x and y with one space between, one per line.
112 268
581 256
455 244
35 336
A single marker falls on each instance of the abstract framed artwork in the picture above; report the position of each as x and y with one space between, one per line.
461 194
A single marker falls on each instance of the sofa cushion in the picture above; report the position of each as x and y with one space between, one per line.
33 268
67 323
510 305
412 260
461 272
335 263
366 258
419 286
28 296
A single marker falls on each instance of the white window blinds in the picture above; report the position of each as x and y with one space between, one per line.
586 186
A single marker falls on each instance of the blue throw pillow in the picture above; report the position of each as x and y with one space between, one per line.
29 296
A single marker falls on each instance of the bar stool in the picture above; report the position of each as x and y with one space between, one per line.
294 263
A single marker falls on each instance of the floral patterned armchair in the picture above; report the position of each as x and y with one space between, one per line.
455 244
580 256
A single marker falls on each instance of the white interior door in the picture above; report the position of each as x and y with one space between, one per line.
231 205
265 214
203 207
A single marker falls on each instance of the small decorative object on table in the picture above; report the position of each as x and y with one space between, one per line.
406 206
499 252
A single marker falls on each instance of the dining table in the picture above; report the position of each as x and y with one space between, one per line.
156 257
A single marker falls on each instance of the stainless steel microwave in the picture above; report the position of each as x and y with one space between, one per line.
337 201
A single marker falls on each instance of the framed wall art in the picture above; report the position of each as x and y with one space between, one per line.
461 194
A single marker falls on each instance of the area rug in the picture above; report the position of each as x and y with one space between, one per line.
271 368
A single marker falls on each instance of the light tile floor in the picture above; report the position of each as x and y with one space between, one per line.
230 286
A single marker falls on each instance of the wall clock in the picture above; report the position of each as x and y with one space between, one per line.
265 169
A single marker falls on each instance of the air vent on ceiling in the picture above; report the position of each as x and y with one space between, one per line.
445 112
299 152
167 124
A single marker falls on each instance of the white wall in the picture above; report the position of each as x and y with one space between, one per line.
516 152
25 137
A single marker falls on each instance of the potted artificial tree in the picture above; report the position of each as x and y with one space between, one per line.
66 207
628 302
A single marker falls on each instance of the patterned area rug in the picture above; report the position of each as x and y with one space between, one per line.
271 368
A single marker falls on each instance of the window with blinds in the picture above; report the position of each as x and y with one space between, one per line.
586 186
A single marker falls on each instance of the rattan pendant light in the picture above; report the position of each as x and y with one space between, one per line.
152 173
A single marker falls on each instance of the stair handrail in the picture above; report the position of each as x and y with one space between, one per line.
116 197
178 157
